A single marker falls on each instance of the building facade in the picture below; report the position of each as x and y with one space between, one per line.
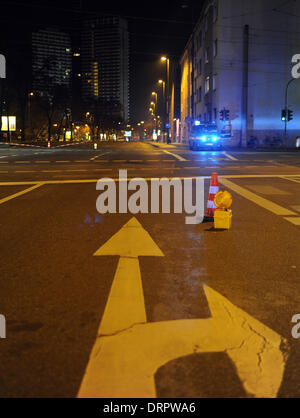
239 58
51 60
105 65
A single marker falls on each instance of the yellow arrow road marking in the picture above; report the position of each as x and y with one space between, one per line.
128 351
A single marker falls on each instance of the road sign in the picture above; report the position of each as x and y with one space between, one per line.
11 121
128 351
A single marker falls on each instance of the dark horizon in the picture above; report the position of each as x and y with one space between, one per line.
152 31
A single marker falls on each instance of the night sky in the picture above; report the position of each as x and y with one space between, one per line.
156 28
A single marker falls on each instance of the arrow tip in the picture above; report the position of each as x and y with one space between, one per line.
132 240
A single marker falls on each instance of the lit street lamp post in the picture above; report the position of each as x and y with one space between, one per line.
166 60
163 83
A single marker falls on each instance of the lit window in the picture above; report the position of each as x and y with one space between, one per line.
214 82
206 85
206 55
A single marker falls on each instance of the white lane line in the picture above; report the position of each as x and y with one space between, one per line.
260 201
81 161
13 196
61 161
230 156
42 162
178 157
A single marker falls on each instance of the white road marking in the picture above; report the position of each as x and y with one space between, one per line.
13 196
230 156
42 162
128 351
178 157
260 201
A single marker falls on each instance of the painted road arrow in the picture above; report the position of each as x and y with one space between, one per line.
128 351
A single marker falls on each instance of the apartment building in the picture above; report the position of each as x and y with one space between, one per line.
105 65
239 58
51 59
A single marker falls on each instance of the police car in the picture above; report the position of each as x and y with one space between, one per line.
205 136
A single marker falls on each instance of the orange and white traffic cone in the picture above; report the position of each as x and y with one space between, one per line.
213 190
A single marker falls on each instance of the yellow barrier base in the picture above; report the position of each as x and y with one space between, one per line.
222 219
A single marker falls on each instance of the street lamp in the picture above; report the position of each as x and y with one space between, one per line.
154 93
166 60
31 94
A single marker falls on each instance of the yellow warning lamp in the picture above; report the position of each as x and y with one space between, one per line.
223 200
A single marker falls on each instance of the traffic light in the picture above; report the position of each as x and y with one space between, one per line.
290 115
283 115
226 114
222 115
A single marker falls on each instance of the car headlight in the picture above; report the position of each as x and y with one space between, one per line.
203 138
215 138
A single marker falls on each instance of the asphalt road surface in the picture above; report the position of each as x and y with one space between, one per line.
193 312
